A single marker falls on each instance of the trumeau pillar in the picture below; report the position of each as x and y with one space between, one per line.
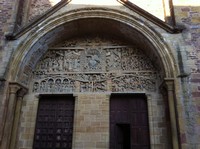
169 85
14 89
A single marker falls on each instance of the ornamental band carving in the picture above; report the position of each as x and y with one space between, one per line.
94 67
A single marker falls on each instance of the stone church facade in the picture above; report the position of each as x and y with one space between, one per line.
99 75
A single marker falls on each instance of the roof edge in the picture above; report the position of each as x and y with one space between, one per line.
171 29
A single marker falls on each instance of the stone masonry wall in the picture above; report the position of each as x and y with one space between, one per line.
6 9
188 14
91 125
27 122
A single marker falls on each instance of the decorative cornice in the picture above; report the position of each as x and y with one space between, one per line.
171 29
35 22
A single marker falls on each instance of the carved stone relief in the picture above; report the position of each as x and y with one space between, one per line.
59 61
97 67
93 59
55 84
113 59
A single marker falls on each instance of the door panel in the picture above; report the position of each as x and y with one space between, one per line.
54 125
129 127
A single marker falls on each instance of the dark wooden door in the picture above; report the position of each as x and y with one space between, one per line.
129 128
54 125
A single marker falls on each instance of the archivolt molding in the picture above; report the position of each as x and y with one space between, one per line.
35 40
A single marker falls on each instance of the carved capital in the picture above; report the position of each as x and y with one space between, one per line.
22 92
167 84
15 88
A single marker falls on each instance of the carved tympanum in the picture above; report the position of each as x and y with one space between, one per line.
94 66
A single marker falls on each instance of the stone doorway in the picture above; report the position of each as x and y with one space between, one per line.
29 71
97 66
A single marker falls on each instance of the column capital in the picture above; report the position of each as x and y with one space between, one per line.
15 88
22 92
168 83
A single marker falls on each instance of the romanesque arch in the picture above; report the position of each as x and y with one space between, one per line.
32 53
74 23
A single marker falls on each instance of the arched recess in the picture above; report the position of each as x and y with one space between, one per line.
96 21
73 23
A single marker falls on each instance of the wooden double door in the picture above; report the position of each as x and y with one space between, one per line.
129 127
54 125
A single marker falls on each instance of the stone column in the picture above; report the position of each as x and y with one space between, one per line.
20 95
10 114
169 83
